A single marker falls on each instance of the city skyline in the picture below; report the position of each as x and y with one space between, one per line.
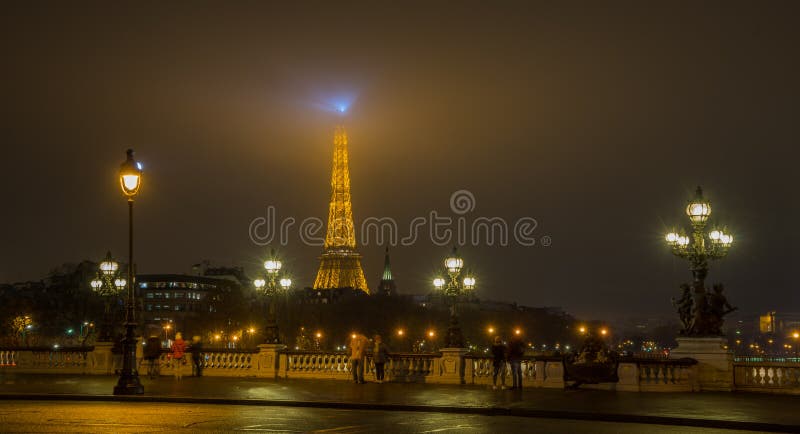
601 136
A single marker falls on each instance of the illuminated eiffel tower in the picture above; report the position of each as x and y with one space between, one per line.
340 264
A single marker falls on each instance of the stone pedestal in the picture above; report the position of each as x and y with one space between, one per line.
450 366
553 374
101 360
628 377
714 370
267 361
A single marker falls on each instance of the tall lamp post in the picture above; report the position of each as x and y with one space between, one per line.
454 289
108 283
270 286
699 249
130 179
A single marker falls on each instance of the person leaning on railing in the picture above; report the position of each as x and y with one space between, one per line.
498 362
380 353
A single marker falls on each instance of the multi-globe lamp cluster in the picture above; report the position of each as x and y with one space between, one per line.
702 245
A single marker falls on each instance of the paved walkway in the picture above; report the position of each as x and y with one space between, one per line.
751 411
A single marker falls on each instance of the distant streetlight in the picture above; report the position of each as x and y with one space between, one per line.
490 330
130 180
454 289
108 284
582 330
270 287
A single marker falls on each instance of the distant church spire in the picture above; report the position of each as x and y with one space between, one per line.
387 285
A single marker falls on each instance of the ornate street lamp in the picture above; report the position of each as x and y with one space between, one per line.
130 180
701 316
107 283
271 286
454 289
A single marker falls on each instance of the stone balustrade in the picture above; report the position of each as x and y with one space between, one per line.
450 365
308 364
775 375
407 367
664 375
480 370
71 360
220 362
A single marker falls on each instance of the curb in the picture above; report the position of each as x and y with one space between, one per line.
484 411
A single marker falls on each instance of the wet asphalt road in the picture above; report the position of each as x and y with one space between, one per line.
121 417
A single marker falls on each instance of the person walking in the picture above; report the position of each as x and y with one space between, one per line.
498 362
516 350
178 355
197 356
358 356
380 354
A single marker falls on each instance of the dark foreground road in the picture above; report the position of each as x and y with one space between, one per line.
120 417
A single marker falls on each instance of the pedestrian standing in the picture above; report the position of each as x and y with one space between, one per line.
516 350
498 362
358 355
380 354
197 356
152 354
178 355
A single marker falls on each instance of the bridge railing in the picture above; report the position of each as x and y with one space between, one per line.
759 375
71 360
214 362
314 364
400 367
480 370
662 375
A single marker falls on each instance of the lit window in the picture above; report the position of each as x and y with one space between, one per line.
149 295
143 285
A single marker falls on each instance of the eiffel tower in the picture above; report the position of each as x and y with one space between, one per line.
340 264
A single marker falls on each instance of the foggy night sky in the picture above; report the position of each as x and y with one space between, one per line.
598 121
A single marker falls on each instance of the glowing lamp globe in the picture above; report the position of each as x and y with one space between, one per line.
108 266
672 238
683 241
120 283
454 264
130 175
715 236
286 283
272 266
469 282
259 283
96 284
726 240
438 283
699 208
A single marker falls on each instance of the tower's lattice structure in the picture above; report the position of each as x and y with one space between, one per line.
340 264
